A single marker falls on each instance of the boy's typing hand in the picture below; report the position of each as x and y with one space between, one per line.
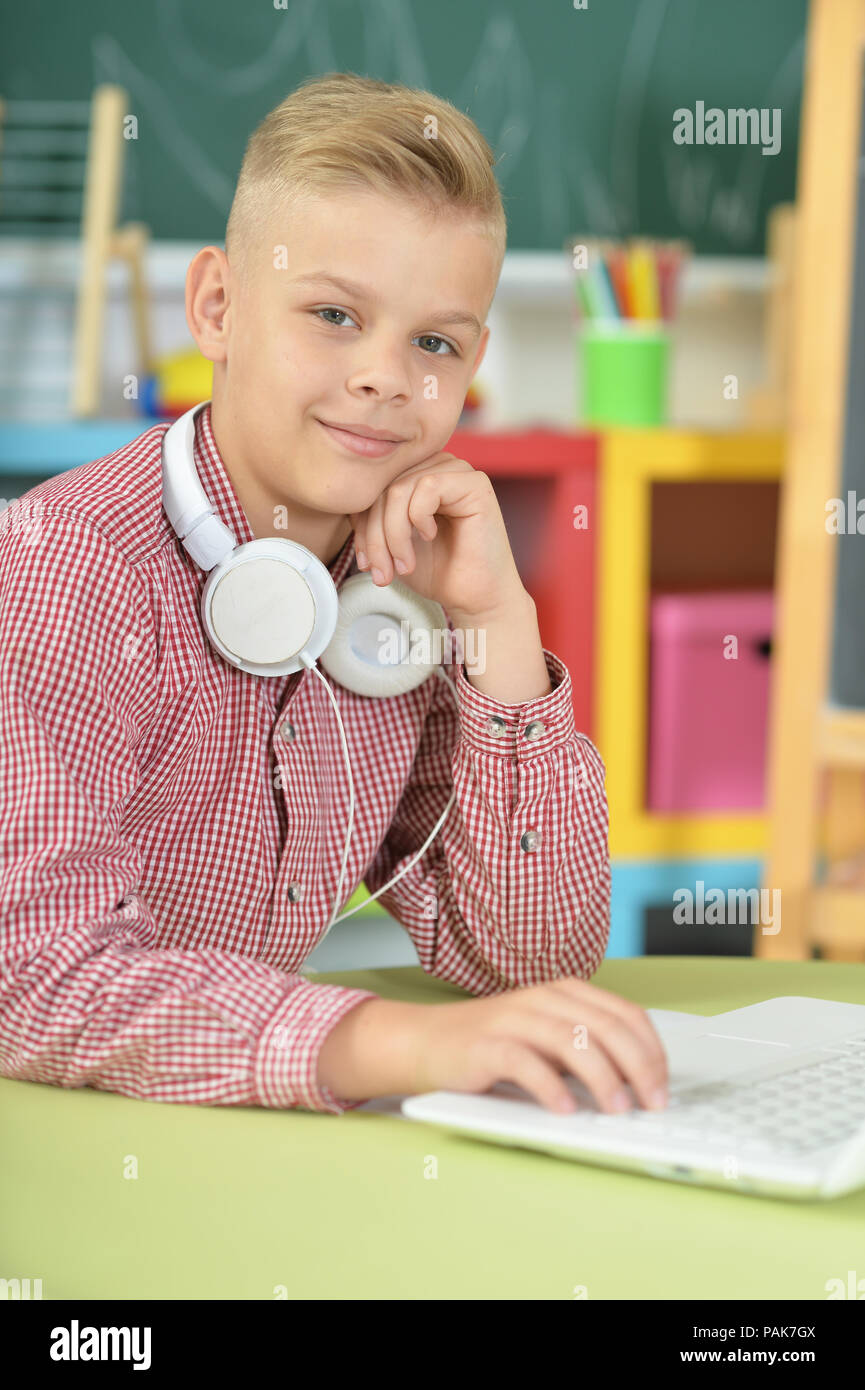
531 1036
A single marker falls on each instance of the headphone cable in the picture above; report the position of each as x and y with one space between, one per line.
440 672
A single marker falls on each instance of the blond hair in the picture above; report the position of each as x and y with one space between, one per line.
343 131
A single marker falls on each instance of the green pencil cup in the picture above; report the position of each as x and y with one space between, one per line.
625 370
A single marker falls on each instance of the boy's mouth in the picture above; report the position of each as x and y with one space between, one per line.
360 443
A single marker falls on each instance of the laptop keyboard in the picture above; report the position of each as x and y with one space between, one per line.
806 1108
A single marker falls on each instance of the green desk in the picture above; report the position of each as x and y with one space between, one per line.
236 1203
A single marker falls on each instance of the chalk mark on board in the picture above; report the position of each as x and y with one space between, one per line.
497 91
390 22
153 100
291 28
625 144
691 171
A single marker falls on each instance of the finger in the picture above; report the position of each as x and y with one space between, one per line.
454 493
398 527
390 513
359 527
441 462
426 499
600 1035
625 1009
461 493
513 1061
583 1055
376 546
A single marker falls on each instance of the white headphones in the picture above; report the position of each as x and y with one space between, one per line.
270 607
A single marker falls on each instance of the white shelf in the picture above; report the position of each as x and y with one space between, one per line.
529 373
535 277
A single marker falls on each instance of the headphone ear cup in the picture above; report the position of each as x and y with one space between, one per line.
269 605
385 641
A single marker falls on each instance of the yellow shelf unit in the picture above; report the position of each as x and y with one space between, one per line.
631 461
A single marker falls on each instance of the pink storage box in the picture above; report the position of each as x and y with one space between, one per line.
708 712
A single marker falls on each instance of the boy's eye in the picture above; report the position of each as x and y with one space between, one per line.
334 311
422 337
434 338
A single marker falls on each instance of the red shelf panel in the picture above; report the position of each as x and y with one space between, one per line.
541 476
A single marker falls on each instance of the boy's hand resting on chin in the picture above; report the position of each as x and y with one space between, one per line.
530 1036
441 519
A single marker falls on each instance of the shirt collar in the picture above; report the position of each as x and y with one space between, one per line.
220 490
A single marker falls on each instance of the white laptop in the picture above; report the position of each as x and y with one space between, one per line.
768 1099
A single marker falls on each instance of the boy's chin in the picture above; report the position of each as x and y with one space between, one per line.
341 496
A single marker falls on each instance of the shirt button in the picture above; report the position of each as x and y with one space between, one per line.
530 840
495 726
294 892
287 731
535 729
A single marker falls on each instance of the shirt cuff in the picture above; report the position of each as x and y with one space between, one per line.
286 1061
522 731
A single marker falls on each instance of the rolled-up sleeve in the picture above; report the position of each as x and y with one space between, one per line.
515 888
86 996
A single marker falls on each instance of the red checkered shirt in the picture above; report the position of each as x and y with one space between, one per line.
157 805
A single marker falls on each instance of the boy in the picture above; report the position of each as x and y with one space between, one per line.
172 827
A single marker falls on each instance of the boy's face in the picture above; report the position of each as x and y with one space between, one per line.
296 353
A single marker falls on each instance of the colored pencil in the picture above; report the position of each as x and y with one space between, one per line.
628 281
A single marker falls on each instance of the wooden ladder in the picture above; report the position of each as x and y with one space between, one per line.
62 166
816 754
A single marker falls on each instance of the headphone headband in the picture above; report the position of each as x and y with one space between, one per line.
207 539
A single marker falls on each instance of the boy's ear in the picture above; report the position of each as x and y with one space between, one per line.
207 300
482 347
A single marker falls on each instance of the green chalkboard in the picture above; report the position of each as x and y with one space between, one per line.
578 103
